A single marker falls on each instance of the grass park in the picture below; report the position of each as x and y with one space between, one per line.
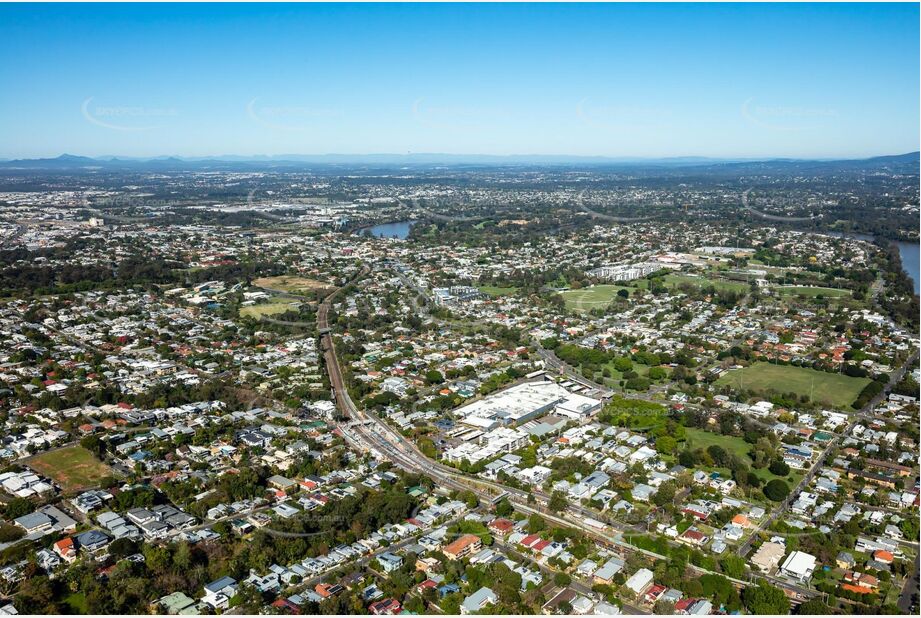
72 467
273 308
831 389
600 296
698 438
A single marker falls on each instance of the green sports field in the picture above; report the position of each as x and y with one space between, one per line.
721 285
831 389
586 299
600 296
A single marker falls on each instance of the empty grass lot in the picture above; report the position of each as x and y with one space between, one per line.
810 292
257 311
72 467
290 284
493 290
831 389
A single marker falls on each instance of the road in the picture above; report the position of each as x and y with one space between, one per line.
865 412
909 595
311 582
582 587
552 363
368 432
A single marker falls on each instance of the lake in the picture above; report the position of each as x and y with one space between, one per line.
400 229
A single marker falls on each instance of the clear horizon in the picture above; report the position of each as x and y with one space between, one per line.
807 81
358 155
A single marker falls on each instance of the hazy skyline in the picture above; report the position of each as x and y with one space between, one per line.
824 80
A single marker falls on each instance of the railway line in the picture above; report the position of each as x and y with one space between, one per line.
369 433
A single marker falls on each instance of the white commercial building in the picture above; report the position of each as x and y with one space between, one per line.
799 565
496 442
625 272
523 403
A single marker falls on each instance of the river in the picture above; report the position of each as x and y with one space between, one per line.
907 250
909 253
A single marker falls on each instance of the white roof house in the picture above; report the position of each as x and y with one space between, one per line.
639 581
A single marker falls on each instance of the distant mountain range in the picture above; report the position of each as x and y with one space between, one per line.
903 163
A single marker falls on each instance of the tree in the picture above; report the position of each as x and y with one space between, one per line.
666 494
686 458
157 558
814 607
779 467
122 547
248 599
94 445
719 454
693 588
776 490
470 499
733 565
557 502
504 508
536 523
17 507
182 556
36 595
765 599
663 608
719 589
637 384
9 533
666 445
561 579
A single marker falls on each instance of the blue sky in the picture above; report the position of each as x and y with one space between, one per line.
817 80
